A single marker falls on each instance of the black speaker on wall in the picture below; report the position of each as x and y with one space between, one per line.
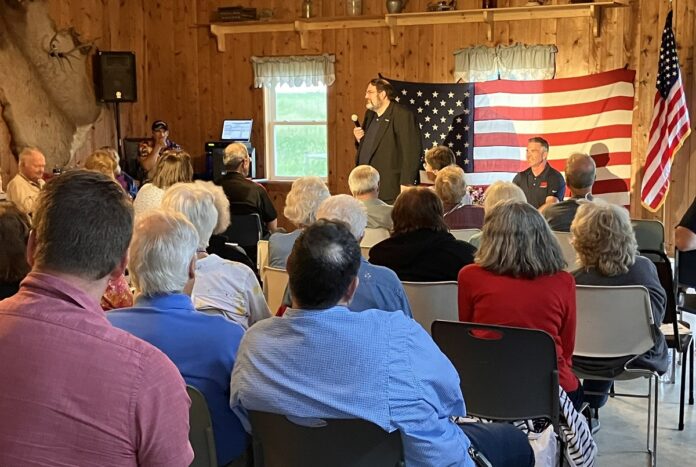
114 77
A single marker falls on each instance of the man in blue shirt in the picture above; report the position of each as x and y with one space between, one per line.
321 360
378 286
203 347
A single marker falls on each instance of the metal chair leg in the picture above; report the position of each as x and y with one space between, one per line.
657 398
674 366
682 391
691 372
647 441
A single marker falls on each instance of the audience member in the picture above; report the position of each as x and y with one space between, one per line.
685 233
450 186
436 159
221 286
203 347
604 239
14 232
246 196
217 244
497 192
421 249
73 389
541 183
101 161
305 196
518 280
23 190
125 180
173 167
377 366
150 151
378 287
580 176
363 182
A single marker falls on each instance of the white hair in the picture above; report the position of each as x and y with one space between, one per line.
222 204
197 203
163 245
502 191
363 179
346 209
305 196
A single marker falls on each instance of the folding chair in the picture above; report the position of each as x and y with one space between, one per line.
279 442
464 234
374 236
685 278
614 322
677 333
432 300
245 231
650 234
201 434
274 283
505 373
261 256
567 250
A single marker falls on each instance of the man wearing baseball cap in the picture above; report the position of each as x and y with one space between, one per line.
150 151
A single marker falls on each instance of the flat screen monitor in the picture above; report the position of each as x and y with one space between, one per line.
236 130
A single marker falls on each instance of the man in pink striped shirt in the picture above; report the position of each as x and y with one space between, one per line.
73 389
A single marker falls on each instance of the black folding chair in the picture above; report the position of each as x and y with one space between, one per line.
201 434
245 231
677 333
505 373
279 442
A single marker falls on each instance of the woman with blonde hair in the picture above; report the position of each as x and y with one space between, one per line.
606 245
173 166
305 196
103 162
518 280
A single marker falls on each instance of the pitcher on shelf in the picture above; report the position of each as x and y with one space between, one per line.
396 6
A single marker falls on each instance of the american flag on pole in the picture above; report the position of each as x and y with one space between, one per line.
487 124
670 124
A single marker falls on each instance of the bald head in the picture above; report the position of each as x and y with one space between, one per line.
32 163
580 174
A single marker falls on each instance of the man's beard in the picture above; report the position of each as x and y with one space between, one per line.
370 105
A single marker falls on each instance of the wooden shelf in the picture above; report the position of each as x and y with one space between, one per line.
392 21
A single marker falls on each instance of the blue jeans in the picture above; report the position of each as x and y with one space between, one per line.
596 385
501 443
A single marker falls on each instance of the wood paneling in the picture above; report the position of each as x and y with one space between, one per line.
184 80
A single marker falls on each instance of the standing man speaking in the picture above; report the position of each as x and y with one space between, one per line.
389 141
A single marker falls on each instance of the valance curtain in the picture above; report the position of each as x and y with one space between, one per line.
515 62
309 70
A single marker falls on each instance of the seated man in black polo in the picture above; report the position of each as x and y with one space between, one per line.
246 196
580 176
541 183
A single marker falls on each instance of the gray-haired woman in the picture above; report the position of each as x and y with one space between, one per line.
606 245
518 280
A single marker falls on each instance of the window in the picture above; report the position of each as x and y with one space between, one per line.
296 131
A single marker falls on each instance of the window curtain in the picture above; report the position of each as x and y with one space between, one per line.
515 62
526 62
475 64
309 70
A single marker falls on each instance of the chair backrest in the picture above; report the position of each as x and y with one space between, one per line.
464 234
244 229
261 256
365 251
568 250
432 300
665 274
201 434
279 442
650 234
274 283
613 321
685 269
505 373
373 237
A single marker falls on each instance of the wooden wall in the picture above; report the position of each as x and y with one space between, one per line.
185 81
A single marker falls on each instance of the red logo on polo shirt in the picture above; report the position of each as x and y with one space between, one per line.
544 185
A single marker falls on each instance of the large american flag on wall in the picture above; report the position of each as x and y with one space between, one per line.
487 124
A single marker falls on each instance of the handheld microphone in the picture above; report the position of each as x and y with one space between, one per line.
356 122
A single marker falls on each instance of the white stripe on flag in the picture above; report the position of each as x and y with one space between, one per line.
553 99
561 125
555 152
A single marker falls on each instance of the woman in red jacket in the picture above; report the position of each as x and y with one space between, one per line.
518 280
